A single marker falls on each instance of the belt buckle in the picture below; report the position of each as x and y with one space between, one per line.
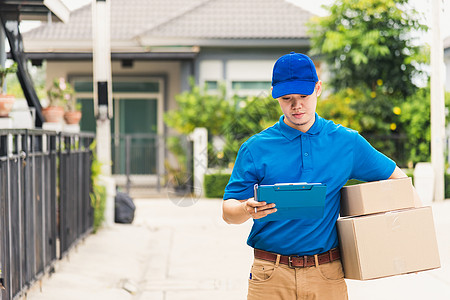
290 261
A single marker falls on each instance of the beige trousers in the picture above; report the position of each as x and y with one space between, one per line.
274 281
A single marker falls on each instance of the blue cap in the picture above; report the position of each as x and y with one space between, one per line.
293 73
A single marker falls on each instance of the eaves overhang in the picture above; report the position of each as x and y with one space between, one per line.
225 42
55 56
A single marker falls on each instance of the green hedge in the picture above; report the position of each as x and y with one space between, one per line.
215 185
447 186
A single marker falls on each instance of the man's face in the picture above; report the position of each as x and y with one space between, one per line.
299 110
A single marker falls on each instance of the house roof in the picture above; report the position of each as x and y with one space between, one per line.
237 19
142 23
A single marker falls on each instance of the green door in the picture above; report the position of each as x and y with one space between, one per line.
137 121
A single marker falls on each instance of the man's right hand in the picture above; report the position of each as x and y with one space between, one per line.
258 210
239 211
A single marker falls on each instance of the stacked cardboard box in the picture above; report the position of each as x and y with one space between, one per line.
382 234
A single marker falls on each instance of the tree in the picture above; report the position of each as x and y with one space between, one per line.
365 41
372 113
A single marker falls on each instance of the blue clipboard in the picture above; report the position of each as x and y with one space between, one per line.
293 200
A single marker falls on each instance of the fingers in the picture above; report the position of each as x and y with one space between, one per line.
258 210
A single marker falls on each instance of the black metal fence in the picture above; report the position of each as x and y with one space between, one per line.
76 215
36 216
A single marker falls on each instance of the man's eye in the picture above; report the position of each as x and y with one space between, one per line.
286 98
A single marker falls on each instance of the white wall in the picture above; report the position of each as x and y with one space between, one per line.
250 70
226 71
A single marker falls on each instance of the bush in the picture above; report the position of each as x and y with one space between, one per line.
215 185
98 193
98 201
198 108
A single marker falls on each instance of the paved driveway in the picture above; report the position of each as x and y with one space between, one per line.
173 252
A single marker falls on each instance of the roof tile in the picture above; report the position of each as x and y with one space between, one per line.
238 19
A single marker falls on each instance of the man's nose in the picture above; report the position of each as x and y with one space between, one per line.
297 103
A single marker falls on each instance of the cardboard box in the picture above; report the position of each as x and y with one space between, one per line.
377 196
387 244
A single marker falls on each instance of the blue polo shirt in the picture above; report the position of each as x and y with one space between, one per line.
326 153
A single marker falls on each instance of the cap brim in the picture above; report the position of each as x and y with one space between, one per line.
293 87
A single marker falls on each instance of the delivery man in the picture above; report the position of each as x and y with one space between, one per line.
299 259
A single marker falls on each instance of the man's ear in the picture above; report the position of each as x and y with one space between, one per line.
318 88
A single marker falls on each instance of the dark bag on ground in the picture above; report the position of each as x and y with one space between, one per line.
124 208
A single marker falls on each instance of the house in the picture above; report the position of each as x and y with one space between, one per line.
157 45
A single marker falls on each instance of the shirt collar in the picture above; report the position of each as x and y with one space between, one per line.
291 133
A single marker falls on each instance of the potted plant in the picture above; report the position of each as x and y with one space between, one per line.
72 114
6 101
57 97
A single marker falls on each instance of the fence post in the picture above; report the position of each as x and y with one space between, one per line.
158 144
20 152
200 139
8 153
127 160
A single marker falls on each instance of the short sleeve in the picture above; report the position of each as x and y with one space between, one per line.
369 164
243 178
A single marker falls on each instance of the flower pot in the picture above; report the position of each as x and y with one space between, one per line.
53 114
72 117
6 104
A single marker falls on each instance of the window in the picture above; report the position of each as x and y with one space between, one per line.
211 85
251 85
251 88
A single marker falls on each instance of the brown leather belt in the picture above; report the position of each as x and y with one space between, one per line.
295 261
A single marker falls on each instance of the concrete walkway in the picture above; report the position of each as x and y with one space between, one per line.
172 252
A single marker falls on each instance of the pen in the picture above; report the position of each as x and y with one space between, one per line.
255 210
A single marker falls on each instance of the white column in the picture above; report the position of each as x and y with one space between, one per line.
437 101
101 54
101 60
